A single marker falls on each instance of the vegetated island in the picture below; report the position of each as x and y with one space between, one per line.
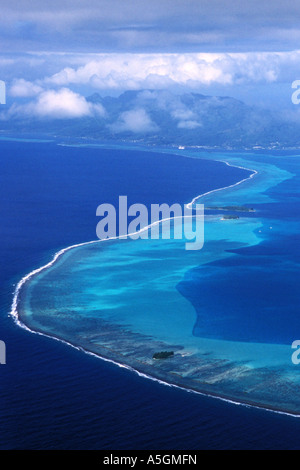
163 355
231 208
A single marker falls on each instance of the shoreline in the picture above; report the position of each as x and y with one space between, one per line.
15 314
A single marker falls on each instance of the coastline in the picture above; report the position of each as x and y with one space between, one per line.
14 309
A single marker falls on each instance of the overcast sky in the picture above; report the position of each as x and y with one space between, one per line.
245 49
149 26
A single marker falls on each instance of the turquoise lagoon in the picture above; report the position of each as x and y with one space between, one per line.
228 311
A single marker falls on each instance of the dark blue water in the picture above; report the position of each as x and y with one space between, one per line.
55 397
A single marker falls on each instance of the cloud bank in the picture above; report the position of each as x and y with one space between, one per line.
268 74
133 71
158 71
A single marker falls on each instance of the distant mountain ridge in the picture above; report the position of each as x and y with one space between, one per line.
161 117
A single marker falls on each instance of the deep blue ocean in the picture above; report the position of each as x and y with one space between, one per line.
55 397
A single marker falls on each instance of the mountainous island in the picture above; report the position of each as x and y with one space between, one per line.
161 117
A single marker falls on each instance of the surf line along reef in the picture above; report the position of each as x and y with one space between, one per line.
117 300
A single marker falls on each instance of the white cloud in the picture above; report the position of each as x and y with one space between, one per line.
156 71
136 120
133 71
61 104
247 76
137 71
183 114
188 124
23 89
